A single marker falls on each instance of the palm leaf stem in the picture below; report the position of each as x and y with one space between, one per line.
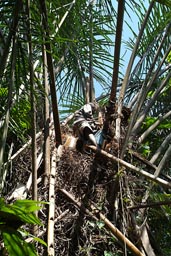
119 26
51 74
65 15
7 116
47 119
152 127
33 108
8 41
146 89
125 82
150 205
131 167
158 152
150 103
163 161
90 84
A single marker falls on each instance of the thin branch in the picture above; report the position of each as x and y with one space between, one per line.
65 15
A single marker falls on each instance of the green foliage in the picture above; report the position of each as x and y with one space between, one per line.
3 98
73 103
20 122
151 120
169 57
165 2
15 244
21 114
12 217
108 253
145 149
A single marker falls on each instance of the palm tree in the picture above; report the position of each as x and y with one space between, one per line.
47 51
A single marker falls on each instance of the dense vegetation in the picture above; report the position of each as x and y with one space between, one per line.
55 57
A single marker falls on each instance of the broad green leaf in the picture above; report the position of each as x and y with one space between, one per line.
39 240
24 233
19 212
15 245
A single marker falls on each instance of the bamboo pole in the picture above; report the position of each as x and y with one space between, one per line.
51 215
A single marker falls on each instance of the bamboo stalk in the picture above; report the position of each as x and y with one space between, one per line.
42 232
51 215
76 202
91 82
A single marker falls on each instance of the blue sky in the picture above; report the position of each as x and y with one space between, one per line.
126 34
